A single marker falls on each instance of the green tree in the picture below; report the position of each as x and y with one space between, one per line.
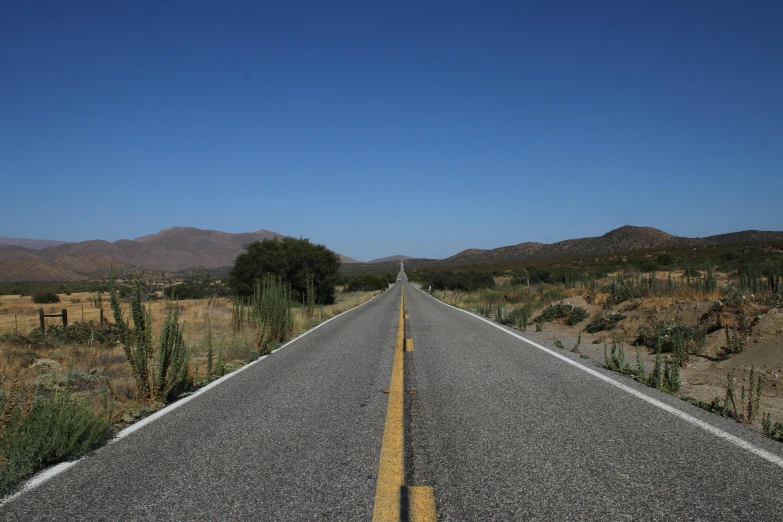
294 260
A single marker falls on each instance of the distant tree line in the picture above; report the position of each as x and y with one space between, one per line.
466 281
367 282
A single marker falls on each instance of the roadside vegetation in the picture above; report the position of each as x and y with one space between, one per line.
296 261
65 391
367 282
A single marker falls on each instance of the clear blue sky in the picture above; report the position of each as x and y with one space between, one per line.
380 128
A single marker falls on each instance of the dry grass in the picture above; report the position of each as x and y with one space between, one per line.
96 369
21 311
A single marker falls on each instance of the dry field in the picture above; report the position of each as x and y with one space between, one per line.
97 373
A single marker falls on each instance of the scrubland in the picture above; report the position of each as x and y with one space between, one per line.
77 379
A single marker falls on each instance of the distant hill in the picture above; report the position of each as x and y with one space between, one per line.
390 258
623 239
32 244
170 250
11 251
346 259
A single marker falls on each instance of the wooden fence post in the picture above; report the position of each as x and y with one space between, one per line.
40 316
65 317
101 316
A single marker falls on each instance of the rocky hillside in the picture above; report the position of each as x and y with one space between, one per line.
623 239
66 268
172 249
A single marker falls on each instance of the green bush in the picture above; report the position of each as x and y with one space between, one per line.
188 291
295 261
647 265
464 281
271 309
772 430
45 297
568 313
666 259
518 317
604 322
369 282
158 375
45 431
667 336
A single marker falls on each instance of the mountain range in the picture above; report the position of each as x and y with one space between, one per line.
170 250
184 248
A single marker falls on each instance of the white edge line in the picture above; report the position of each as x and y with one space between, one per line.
44 476
737 441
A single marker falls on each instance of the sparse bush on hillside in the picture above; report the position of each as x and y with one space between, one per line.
604 322
672 337
772 430
647 264
625 288
45 297
666 259
518 317
568 313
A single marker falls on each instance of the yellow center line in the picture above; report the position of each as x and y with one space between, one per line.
390 472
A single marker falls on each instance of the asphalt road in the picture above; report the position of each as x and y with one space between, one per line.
500 429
